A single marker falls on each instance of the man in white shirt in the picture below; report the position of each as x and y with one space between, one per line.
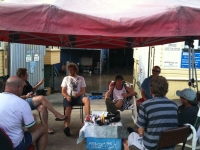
73 90
14 113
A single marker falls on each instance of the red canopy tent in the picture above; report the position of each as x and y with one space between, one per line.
99 24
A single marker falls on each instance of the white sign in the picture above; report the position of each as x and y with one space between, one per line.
28 57
171 55
36 57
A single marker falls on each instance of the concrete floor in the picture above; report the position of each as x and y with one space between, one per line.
95 83
58 141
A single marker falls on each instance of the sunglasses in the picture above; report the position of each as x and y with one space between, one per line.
155 71
182 97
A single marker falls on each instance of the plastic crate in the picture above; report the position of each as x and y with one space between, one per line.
103 144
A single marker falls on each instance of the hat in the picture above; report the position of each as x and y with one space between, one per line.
119 77
187 93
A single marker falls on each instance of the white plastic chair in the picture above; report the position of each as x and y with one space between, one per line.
194 136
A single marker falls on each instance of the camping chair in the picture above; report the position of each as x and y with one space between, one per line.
6 143
78 107
194 136
133 101
171 137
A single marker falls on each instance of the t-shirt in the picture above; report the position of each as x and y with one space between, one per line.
146 86
27 88
155 115
117 94
73 84
14 113
187 115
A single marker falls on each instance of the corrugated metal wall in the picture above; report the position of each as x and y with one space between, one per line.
18 53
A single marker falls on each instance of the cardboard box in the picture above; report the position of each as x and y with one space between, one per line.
48 89
103 143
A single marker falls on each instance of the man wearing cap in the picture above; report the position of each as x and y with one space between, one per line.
187 112
119 94
146 94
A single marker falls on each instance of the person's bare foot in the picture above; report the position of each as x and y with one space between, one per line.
125 144
60 117
50 131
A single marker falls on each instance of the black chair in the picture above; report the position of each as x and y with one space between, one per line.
172 137
78 107
6 143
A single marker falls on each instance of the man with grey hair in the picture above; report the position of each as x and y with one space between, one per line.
155 115
14 112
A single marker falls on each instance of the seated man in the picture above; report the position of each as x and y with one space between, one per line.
37 102
119 93
146 85
73 90
14 112
187 112
155 115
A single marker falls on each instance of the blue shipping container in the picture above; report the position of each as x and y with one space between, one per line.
103 144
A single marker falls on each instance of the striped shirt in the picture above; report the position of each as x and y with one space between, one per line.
155 115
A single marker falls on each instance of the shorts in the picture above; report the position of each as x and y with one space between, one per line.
30 102
75 101
141 100
26 141
136 140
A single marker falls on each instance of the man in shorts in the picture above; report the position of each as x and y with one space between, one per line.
73 90
15 112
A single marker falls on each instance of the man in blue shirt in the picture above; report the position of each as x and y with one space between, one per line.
146 85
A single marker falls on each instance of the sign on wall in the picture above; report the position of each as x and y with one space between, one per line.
28 57
185 60
171 55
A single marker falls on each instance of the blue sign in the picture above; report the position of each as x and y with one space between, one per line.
185 60
32 66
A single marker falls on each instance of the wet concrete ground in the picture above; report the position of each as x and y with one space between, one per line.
99 83
95 83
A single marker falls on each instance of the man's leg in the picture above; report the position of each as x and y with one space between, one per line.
86 103
38 100
44 116
40 136
119 104
68 111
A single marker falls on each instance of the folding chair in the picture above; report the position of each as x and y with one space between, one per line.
133 101
6 143
81 110
171 137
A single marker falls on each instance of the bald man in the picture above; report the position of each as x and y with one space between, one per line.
14 113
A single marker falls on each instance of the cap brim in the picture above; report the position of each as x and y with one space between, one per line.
178 93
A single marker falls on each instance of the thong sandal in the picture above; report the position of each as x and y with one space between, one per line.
59 119
50 131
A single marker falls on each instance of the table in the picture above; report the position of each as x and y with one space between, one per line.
103 137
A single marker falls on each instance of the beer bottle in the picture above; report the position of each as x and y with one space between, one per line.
71 94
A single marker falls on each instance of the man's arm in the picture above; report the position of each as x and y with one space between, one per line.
130 92
107 95
37 85
82 92
143 94
64 93
29 95
141 131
